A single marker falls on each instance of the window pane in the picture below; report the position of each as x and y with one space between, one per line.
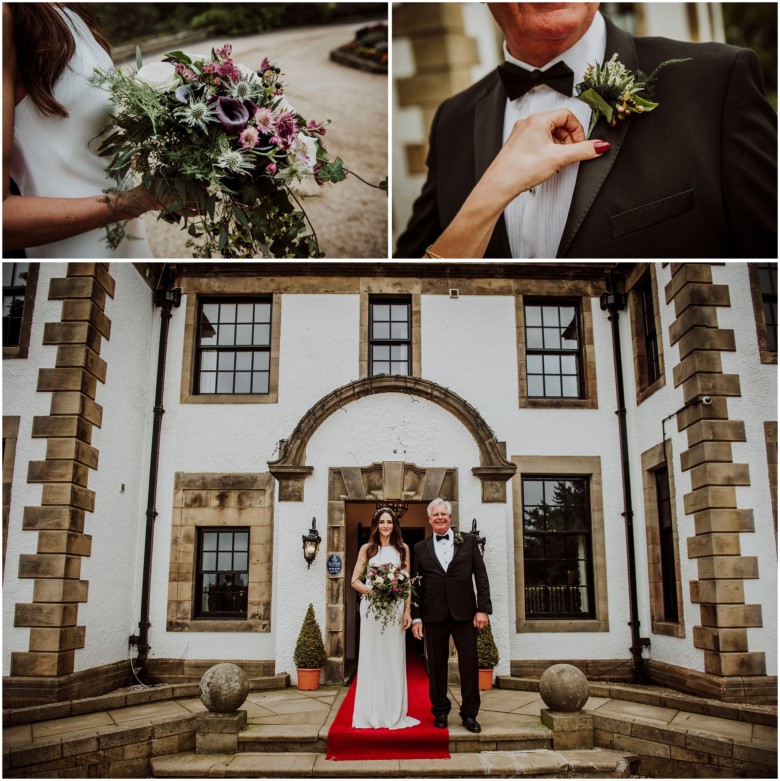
533 338
533 315
262 335
569 388
208 360
568 364
243 362
553 386
552 364
399 352
550 316
225 560
227 313
399 312
240 542
399 367
227 334
209 560
262 313
535 385
381 352
533 491
209 540
381 330
381 367
534 363
381 312
552 338
8 274
225 540
208 382
240 560
243 334
244 313
400 331
243 383
226 361
224 383
262 361
259 382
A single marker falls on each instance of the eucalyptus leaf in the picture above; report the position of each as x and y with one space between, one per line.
139 62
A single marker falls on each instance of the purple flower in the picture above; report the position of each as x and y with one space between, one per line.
225 52
232 114
286 128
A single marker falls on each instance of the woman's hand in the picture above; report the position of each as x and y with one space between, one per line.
407 619
537 148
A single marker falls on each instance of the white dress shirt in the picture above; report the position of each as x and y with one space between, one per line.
535 220
444 549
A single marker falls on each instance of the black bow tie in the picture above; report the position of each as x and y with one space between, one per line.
517 81
442 537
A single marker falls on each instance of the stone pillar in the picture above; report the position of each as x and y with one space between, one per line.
712 502
56 566
564 689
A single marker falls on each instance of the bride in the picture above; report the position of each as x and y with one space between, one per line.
381 696
52 118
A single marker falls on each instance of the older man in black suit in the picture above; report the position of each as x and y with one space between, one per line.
450 566
695 178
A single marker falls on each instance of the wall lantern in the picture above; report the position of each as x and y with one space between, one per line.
481 541
311 543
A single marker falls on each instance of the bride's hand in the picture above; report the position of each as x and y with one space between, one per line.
537 148
407 619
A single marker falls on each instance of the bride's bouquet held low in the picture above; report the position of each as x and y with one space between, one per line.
207 134
390 586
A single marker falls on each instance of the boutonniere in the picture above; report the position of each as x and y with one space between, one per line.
611 90
458 537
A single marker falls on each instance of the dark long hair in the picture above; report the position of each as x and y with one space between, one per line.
44 47
396 538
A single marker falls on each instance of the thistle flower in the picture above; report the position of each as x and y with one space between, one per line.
233 160
196 114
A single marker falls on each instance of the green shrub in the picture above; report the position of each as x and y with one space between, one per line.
309 650
487 652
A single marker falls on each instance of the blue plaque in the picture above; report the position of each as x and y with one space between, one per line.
334 565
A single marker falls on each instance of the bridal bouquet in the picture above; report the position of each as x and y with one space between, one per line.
204 131
390 586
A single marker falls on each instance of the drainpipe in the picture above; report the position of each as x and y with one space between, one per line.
166 298
614 302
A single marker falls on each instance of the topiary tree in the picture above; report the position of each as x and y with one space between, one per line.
309 650
487 652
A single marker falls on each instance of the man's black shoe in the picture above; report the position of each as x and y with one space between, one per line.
472 725
440 721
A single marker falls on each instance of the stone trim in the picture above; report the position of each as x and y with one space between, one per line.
494 470
386 481
767 356
634 280
365 318
227 286
10 435
652 460
719 590
59 522
596 669
574 466
770 434
213 500
579 292
22 350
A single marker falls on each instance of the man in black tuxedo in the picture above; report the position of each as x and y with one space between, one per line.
450 566
695 178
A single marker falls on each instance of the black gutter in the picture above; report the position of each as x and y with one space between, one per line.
614 302
166 298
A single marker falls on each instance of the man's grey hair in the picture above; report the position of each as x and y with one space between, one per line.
437 501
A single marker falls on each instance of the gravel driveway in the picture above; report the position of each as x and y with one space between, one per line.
350 218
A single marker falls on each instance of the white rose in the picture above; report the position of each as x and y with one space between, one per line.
160 76
304 150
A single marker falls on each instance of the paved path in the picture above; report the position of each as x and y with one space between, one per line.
350 219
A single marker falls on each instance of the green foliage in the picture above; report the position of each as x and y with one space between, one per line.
309 649
487 652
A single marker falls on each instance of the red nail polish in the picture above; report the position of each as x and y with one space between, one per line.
601 147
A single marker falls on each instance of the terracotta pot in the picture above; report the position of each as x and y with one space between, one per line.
485 680
309 680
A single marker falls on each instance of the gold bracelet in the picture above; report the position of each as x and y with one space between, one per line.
429 253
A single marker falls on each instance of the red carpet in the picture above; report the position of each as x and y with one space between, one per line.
421 742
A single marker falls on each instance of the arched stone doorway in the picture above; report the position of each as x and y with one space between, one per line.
493 471
379 482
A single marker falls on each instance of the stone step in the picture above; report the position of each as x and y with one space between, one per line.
537 763
515 733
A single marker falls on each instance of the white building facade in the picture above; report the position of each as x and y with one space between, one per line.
171 430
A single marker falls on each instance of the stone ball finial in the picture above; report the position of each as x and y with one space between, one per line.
564 688
224 687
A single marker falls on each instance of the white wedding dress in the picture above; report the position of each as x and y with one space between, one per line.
381 697
54 157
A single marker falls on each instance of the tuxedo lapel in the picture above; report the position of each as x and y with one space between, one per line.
432 553
488 140
593 173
